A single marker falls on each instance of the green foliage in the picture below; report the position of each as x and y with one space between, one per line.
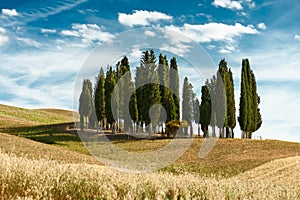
174 125
231 117
85 103
174 85
249 113
100 96
110 81
205 110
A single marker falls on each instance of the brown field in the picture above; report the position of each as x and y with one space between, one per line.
40 157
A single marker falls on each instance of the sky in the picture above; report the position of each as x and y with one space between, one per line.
44 44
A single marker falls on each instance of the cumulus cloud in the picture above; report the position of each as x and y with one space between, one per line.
214 31
29 42
43 30
4 39
89 34
10 12
234 5
262 26
142 18
229 4
297 37
150 33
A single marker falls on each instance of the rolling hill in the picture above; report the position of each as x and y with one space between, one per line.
39 160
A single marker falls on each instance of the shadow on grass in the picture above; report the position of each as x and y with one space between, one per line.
49 134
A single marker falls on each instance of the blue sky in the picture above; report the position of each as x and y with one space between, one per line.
43 45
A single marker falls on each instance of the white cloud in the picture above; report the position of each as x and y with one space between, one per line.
229 4
250 3
214 31
4 39
142 17
70 33
89 34
150 33
10 12
136 53
29 42
227 49
47 9
297 37
234 5
43 30
262 26
42 78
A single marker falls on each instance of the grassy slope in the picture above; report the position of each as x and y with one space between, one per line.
22 147
228 158
42 179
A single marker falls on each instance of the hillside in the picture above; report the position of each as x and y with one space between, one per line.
40 179
13 117
228 158
22 147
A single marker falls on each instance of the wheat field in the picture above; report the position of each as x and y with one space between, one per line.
22 178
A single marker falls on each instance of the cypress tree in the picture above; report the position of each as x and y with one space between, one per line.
249 113
174 86
85 103
196 113
231 118
148 94
110 81
100 98
205 110
162 74
220 104
213 98
186 103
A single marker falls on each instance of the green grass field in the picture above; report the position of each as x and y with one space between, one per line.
45 138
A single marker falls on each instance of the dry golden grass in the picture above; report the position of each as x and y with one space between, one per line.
229 157
13 117
21 178
23 147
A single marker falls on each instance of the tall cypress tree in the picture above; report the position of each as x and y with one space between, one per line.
110 81
213 98
174 86
231 118
186 104
100 98
163 81
249 113
221 106
205 110
127 88
85 103
256 102
148 94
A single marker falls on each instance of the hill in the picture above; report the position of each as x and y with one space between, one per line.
22 147
228 158
42 179
13 117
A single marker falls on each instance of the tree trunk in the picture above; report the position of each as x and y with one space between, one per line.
232 133
214 131
228 135
113 131
199 130
191 131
